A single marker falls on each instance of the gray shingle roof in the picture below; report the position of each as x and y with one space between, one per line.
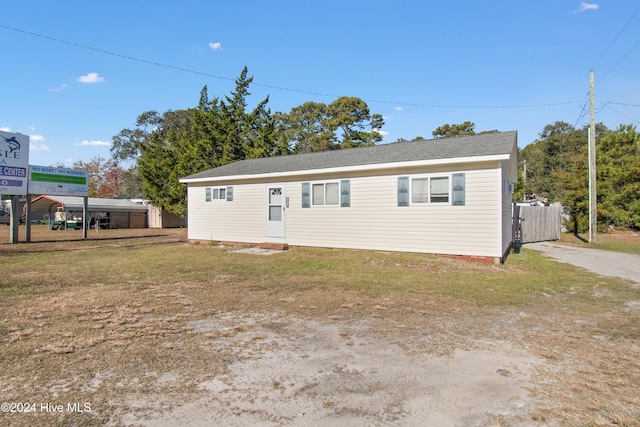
488 144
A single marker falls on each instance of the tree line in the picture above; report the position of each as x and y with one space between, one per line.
162 148
554 168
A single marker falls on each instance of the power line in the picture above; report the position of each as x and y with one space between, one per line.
622 114
616 38
622 103
187 70
581 115
621 59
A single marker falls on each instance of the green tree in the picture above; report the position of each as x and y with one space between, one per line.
448 130
262 137
557 171
352 116
303 128
152 146
175 144
201 146
157 165
347 122
618 178
234 120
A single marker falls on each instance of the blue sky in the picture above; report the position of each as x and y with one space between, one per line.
75 73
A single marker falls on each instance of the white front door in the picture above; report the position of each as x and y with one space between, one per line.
275 212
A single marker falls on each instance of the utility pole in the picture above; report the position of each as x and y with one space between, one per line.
593 205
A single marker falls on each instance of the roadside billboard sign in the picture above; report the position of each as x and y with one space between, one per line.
58 181
14 162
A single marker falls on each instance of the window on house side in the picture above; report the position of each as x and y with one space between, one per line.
440 190
325 194
420 190
332 193
215 193
430 190
318 194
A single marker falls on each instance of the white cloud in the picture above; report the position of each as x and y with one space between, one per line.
5 129
398 108
33 146
60 88
216 46
91 78
381 132
38 147
587 6
95 143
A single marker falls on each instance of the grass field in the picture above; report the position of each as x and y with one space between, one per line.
619 241
80 320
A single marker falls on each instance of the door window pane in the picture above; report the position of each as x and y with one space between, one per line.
275 196
275 213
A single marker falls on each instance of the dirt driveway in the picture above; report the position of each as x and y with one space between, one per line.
604 263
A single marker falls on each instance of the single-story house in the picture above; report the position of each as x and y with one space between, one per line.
445 196
109 213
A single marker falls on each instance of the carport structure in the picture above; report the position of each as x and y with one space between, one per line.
108 213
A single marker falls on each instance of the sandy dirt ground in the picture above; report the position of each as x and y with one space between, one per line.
305 373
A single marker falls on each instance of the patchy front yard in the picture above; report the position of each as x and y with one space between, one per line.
138 327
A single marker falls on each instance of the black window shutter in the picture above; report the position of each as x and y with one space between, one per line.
306 195
458 189
345 196
403 191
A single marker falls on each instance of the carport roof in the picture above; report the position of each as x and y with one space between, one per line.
69 203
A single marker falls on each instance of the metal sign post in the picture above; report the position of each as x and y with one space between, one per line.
14 161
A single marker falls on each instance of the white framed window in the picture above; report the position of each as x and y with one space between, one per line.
328 193
325 193
218 193
430 190
439 189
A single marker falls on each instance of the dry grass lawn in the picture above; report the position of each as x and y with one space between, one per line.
134 322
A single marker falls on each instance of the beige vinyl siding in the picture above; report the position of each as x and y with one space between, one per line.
240 220
374 221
